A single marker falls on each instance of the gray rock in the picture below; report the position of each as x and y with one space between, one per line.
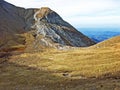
50 24
15 21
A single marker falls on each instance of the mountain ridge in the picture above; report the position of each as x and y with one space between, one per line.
45 26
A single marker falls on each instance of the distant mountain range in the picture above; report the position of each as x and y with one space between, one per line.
100 34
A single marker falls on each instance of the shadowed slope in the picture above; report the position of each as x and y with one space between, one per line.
13 23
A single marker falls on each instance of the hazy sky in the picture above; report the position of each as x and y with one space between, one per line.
80 13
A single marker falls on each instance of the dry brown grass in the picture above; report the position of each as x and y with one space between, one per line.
74 69
80 62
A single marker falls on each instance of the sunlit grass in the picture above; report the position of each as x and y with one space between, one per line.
86 62
54 68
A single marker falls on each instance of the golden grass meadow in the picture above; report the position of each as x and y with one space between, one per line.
90 68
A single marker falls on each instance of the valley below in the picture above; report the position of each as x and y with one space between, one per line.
100 34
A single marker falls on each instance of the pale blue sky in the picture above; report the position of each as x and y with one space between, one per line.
80 13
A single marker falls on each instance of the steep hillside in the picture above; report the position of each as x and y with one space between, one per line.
47 28
14 22
51 25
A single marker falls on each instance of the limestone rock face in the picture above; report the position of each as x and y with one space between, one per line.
51 25
48 27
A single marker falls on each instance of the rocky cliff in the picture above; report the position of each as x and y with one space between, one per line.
21 27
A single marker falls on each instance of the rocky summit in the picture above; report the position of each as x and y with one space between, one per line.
21 28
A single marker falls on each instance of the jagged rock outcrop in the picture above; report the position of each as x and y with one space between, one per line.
51 25
47 27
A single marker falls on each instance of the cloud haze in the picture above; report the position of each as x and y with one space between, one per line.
80 13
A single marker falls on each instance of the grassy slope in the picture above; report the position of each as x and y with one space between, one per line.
75 69
112 42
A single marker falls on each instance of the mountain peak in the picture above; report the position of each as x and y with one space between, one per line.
37 28
44 11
